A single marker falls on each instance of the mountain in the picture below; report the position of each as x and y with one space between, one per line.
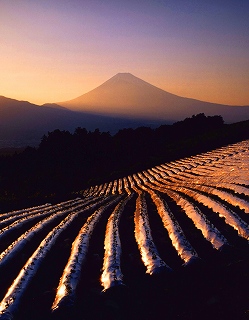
23 123
53 105
120 102
128 96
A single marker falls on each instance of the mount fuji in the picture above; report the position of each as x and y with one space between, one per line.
125 95
124 101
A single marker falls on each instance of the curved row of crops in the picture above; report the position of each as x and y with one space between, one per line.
199 202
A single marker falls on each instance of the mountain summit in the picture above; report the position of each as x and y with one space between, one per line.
128 96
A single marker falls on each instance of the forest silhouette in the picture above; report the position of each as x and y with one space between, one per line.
65 162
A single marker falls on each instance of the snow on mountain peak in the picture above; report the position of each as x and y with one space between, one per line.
126 77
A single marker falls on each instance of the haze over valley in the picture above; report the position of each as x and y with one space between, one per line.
23 123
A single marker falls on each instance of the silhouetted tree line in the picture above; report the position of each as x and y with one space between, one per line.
66 162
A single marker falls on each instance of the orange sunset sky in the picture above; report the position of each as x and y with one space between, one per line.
57 50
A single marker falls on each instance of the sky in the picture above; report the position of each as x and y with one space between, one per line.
57 50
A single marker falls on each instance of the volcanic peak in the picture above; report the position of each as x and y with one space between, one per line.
127 77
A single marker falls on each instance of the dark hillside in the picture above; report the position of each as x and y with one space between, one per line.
22 123
66 162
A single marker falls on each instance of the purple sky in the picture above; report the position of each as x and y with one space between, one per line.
55 50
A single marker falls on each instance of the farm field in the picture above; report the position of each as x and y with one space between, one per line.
169 240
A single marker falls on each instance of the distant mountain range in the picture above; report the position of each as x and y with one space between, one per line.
23 123
122 101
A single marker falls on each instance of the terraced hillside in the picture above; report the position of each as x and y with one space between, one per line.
171 239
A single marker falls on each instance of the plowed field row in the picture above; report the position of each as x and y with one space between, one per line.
64 261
